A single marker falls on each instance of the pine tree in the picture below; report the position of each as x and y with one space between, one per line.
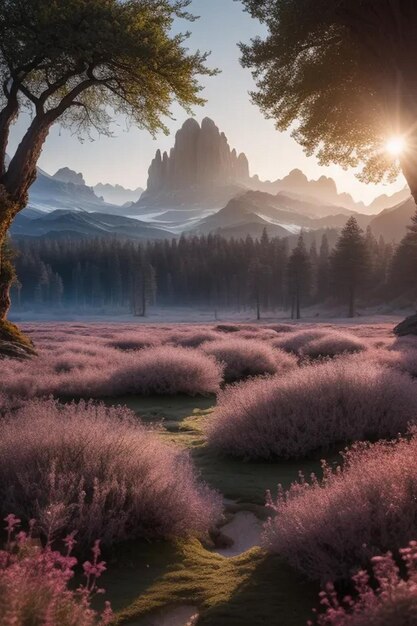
255 277
401 279
298 277
350 263
144 288
323 270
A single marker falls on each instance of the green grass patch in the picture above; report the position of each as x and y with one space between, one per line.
167 409
253 588
249 589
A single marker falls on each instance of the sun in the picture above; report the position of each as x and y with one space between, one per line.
395 146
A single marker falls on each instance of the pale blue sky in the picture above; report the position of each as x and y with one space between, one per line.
125 158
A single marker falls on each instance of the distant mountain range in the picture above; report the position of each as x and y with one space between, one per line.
116 194
80 224
392 223
280 214
202 186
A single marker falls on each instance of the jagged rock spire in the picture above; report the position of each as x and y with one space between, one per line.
201 157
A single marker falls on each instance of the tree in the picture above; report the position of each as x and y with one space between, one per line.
350 263
323 270
299 277
403 266
71 63
257 275
345 73
144 288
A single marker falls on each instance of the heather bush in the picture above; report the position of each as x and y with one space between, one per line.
402 358
282 328
333 344
315 407
167 370
34 583
329 528
258 334
97 470
243 358
133 341
297 341
194 338
102 371
392 603
228 328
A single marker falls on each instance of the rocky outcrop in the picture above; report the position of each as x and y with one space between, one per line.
201 167
407 327
65 175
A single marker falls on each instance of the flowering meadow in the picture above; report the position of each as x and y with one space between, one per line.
158 435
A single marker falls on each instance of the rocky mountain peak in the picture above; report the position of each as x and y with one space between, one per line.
66 175
201 157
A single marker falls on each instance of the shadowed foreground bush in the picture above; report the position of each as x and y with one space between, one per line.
167 370
96 470
392 603
315 407
247 357
328 529
34 584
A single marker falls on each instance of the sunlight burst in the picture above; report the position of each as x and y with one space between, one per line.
395 145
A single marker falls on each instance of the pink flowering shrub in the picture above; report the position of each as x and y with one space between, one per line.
392 603
34 583
328 528
167 370
333 344
243 358
133 340
97 470
193 338
282 328
102 371
315 407
261 334
296 342
401 357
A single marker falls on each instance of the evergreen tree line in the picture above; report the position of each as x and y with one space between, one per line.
218 273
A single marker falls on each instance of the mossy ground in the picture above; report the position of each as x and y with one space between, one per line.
10 333
243 591
254 588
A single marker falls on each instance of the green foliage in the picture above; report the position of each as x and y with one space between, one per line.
80 57
340 74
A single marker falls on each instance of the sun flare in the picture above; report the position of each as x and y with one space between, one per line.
395 146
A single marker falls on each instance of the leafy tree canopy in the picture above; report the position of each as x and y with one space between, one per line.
341 74
77 61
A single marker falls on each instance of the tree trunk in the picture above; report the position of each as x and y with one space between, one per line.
352 302
8 210
298 306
